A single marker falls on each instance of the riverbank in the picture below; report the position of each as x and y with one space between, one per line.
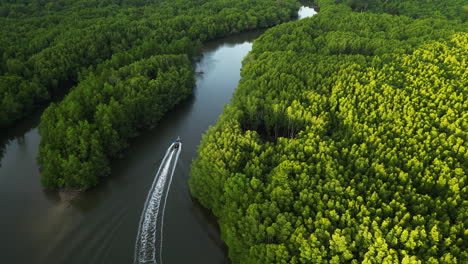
330 110
99 226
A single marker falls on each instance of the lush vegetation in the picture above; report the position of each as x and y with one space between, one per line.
345 142
129 60
102 112
453 9
47 44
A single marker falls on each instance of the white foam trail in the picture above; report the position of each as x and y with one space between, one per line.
165 200
145 246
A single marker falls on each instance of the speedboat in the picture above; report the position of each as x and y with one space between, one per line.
177 143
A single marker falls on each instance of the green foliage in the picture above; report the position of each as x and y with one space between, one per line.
131 63
94 121
345 142
49 42
18 96
453 9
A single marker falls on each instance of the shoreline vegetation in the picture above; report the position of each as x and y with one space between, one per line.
37 67
346 139
131 64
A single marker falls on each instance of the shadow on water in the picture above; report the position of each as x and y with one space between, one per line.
26 124
52 196
229 42
203 216
18 132
233 40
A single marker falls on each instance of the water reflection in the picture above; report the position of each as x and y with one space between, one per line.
16 135
203 216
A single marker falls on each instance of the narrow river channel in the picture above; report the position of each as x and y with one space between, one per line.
100 226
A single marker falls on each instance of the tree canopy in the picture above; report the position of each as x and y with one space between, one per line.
453 9
129 62
46 45
345 142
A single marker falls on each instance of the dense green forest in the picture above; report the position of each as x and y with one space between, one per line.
102 112
452 9
46 45
346 141
129 62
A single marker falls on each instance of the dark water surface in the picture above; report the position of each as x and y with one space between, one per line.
100 226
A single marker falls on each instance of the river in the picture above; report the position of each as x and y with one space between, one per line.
100 226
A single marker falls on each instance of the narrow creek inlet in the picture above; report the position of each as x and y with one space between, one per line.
100 226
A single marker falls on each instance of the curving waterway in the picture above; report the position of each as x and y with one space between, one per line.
101 226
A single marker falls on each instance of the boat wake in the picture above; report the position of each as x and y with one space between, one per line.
148 244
